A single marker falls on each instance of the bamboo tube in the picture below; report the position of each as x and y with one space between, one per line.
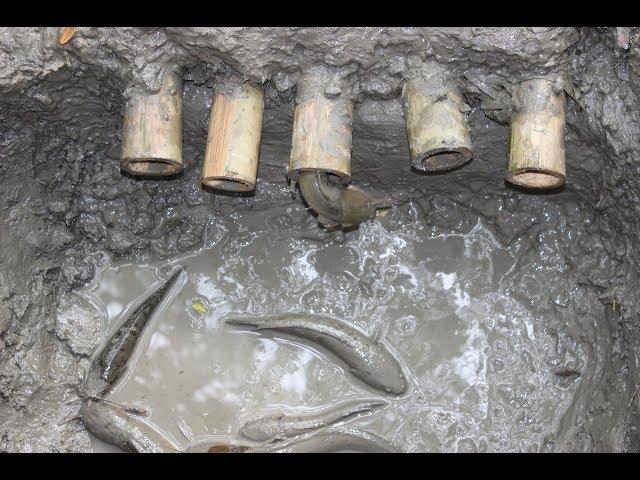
233 143
536 136
437 129
152 136
321 129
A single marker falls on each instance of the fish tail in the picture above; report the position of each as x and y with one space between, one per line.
69 418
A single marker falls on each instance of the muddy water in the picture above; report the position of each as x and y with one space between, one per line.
480 361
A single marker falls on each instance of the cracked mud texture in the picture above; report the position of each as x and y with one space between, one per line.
67 209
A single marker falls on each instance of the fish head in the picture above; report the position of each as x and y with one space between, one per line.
391 377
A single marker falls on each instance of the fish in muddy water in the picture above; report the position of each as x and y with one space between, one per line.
111 362
368 359
279 427
331 440
127 431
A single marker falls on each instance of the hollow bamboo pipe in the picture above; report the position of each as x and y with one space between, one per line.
152 134
233 143
321 129
437 128
536 136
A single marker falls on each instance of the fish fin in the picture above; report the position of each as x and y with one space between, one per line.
382 212
136 410
328 223
70 402
129 409
70 418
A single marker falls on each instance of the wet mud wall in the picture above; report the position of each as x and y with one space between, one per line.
67 210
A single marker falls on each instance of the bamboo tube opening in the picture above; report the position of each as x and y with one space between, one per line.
536 137
442 159
152 131
152 166
321 128
233 143
536 178
437 128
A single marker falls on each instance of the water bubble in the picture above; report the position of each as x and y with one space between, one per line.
275 386
321 374
406 325
291 367
247 396
498 365
466 445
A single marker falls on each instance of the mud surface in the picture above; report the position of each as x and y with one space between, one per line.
515 315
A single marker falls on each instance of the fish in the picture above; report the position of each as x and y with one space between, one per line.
111 363
127 431
331 441
337 206
279 427
368 359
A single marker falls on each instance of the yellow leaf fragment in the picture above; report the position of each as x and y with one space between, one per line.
65 34
199 307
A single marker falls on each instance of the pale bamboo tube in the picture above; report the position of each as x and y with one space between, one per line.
233 143
321 129
536 136
437 129
152 135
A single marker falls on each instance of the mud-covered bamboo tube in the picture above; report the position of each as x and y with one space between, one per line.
536 136
233 143
437 128
321 147
321 126
152 136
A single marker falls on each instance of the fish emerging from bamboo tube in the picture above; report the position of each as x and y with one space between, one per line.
331 440
342 207
120 427
368 359
335 205
110 364
280 427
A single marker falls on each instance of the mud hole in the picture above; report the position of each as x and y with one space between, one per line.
514 314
